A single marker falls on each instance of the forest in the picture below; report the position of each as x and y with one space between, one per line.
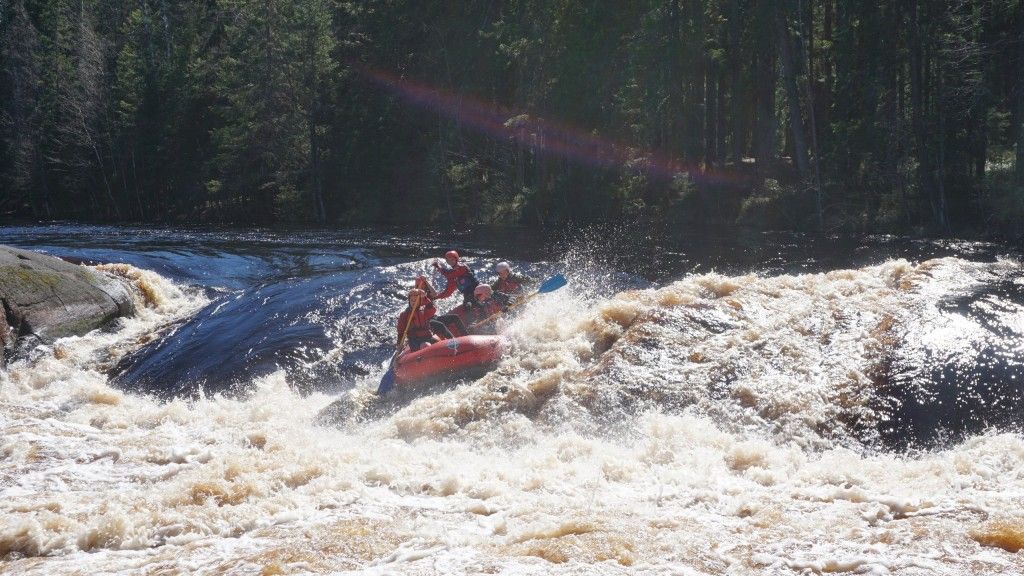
902 116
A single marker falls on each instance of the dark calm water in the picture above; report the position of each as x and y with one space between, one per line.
320 304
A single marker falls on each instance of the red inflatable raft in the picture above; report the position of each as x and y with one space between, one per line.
462 357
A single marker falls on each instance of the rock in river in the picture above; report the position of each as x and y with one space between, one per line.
44 298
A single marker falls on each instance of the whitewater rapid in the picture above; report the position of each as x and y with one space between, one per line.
715 425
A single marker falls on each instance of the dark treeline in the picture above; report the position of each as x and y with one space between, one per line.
900 115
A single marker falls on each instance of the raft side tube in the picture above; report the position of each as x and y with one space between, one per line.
449 359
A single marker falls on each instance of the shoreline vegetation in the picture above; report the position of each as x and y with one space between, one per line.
866 116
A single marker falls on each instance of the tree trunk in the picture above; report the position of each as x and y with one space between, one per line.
825 61
764 119
677 123
940 170
738 141
314 164
1020 103
138 193
819 201
918 103
981 98
789 73
444 166
698 102
710 116
720 128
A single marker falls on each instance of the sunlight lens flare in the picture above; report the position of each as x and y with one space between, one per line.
538 134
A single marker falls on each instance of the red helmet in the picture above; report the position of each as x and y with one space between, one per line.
451 254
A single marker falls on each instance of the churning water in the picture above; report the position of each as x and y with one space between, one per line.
742 404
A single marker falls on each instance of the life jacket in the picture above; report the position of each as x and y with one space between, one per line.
419 328
510 285
460 278
481 311
492 306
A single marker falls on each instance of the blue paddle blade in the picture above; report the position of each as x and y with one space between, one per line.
387 382
552 284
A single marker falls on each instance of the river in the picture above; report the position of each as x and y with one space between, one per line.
690 403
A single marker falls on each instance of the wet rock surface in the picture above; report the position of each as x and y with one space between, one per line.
44 298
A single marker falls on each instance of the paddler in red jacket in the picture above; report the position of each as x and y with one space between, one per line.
422 326
459 277
488 303
510 284
423 284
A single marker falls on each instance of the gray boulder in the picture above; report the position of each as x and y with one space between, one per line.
43 298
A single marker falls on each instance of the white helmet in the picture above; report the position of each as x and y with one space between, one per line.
503 266
482 289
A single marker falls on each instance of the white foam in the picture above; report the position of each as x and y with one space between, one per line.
526 471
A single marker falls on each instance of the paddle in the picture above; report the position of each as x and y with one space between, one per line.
387 382
549 285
